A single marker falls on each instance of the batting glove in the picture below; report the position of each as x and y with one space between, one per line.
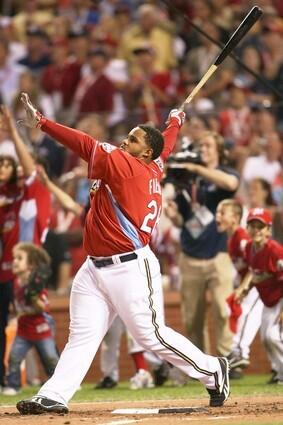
178 114
33 116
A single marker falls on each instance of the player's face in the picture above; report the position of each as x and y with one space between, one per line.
135 144
6 171
20 266
225 218
259 232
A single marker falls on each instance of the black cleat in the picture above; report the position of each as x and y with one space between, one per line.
161 374
40 404
106 383
219 395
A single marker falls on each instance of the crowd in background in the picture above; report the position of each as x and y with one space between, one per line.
105 66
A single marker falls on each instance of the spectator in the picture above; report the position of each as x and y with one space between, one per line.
37 57
199 60
9 194
268 161
151 92
95 91
79 44
7 32
235 118
31 85
30 266
9 74
61 77
204 262
148 30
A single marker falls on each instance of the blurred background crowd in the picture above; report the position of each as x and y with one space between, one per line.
105 66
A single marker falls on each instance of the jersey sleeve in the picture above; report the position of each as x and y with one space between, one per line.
170 135
80 143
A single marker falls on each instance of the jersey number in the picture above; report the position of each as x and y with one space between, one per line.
153 215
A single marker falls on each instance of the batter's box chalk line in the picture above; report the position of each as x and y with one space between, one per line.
158 411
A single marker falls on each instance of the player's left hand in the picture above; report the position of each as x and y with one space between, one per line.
33 116
178 114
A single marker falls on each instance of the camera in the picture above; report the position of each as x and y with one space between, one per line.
180 178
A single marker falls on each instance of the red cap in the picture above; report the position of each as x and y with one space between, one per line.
260 214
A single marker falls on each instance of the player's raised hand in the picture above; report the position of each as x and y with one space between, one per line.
179 115
33 116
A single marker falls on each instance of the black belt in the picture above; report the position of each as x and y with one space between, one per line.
109 261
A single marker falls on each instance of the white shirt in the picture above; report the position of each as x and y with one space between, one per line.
259 166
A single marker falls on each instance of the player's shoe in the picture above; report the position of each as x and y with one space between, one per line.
274 378
10 391
238 361
219 395
236 373
178 378
106 383
161 374
39 404
142 379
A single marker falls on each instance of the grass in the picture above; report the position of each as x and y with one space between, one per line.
250 386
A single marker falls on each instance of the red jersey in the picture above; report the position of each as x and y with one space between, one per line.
236 249
267 268
33 327
125 202
25 220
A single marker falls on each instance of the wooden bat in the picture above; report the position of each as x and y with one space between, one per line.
253 15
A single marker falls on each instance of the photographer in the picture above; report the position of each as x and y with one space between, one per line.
204 262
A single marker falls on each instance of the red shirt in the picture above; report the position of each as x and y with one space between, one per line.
267 267
31 326
63 79
236 249
26 219
125 200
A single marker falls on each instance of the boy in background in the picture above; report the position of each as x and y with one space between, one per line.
265 260
31 268
228 217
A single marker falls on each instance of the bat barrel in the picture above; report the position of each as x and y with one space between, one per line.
240 32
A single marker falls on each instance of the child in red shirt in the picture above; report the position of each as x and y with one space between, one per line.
30 266
265 260
228 218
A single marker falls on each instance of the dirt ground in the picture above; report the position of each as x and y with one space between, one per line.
255 410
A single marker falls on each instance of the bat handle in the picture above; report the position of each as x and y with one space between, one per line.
197 88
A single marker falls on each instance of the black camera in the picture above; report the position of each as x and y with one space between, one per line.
180 177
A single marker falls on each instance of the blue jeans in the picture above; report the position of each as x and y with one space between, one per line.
47 352
6 298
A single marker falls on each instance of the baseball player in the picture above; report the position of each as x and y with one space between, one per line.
121 275
228 216
264 257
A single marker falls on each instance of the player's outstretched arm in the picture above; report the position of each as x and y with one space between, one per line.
174 122
79 142
7 123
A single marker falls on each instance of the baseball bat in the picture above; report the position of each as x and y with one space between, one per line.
249 20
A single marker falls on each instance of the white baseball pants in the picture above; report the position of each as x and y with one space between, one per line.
248 324
132 290
272 336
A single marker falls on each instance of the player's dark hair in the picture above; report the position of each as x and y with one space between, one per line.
154 139
36 255
14 165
